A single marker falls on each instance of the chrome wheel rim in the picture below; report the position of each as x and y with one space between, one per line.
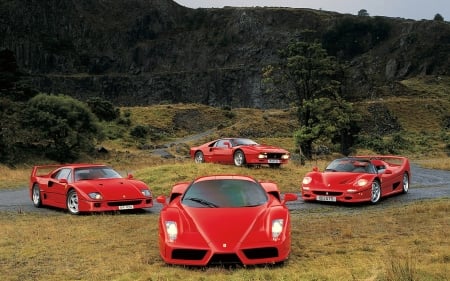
239 159
405 183
36 195
198 157
376 192
72 202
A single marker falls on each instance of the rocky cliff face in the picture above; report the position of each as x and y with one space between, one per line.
141 52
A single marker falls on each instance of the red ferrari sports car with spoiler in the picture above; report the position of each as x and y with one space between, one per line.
358 179
225 220
87 188
239 151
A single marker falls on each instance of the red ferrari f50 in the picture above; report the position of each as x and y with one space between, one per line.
225 219
358 179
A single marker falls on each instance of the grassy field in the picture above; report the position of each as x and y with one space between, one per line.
409 242
406 242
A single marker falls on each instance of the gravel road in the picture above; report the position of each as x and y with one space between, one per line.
425 184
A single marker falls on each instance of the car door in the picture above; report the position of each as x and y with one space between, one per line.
222 152
57 186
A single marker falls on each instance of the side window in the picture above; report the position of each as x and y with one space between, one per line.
63 174
221 143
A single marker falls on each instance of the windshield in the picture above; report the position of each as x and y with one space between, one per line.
237 142
101 172
351 166
224 193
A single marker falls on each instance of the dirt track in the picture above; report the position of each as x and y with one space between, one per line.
425 184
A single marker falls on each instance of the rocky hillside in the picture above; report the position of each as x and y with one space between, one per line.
141 52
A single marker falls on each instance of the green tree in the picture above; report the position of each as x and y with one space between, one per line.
363 13
438 17
309 77
103 109
61 126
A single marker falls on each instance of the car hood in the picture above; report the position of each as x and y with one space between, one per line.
113 189
264 148
225 226
338 180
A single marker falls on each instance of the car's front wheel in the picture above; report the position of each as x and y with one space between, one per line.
72 202
239 158
405 183
199 157
36 196
376 192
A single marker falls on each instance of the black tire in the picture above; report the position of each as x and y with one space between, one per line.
199 157
72 202
36 196
405 183
239 158
376 192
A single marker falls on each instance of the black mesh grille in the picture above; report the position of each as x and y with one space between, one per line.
188 254
219 259
122 203
330 193
274 155
261 253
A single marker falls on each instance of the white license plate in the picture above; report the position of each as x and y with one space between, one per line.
274 161
326 198
126 207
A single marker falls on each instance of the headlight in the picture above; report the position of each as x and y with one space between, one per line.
146 192
172 230
285 156
361 182
95 195
277 228
307 180
262 156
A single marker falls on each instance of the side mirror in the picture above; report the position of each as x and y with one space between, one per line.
290 197
130 176
315 169
161 199
227 143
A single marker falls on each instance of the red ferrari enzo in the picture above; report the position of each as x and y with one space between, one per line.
87 188
358 179
225 219
239 151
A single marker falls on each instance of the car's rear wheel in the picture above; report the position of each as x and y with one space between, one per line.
405 183
72 202
239 158
376 192
199 157
36 195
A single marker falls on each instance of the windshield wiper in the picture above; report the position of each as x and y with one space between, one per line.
202 201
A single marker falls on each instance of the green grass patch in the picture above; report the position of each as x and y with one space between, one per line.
362 243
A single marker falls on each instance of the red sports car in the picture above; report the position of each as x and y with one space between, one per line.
225 219
358 179
239 151
87 188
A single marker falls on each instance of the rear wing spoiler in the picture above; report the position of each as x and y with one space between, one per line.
44 170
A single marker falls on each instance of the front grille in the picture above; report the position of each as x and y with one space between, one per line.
326 193
188 254
122 203
219 259
261 253
274 155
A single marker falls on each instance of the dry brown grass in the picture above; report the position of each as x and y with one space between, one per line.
408 242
